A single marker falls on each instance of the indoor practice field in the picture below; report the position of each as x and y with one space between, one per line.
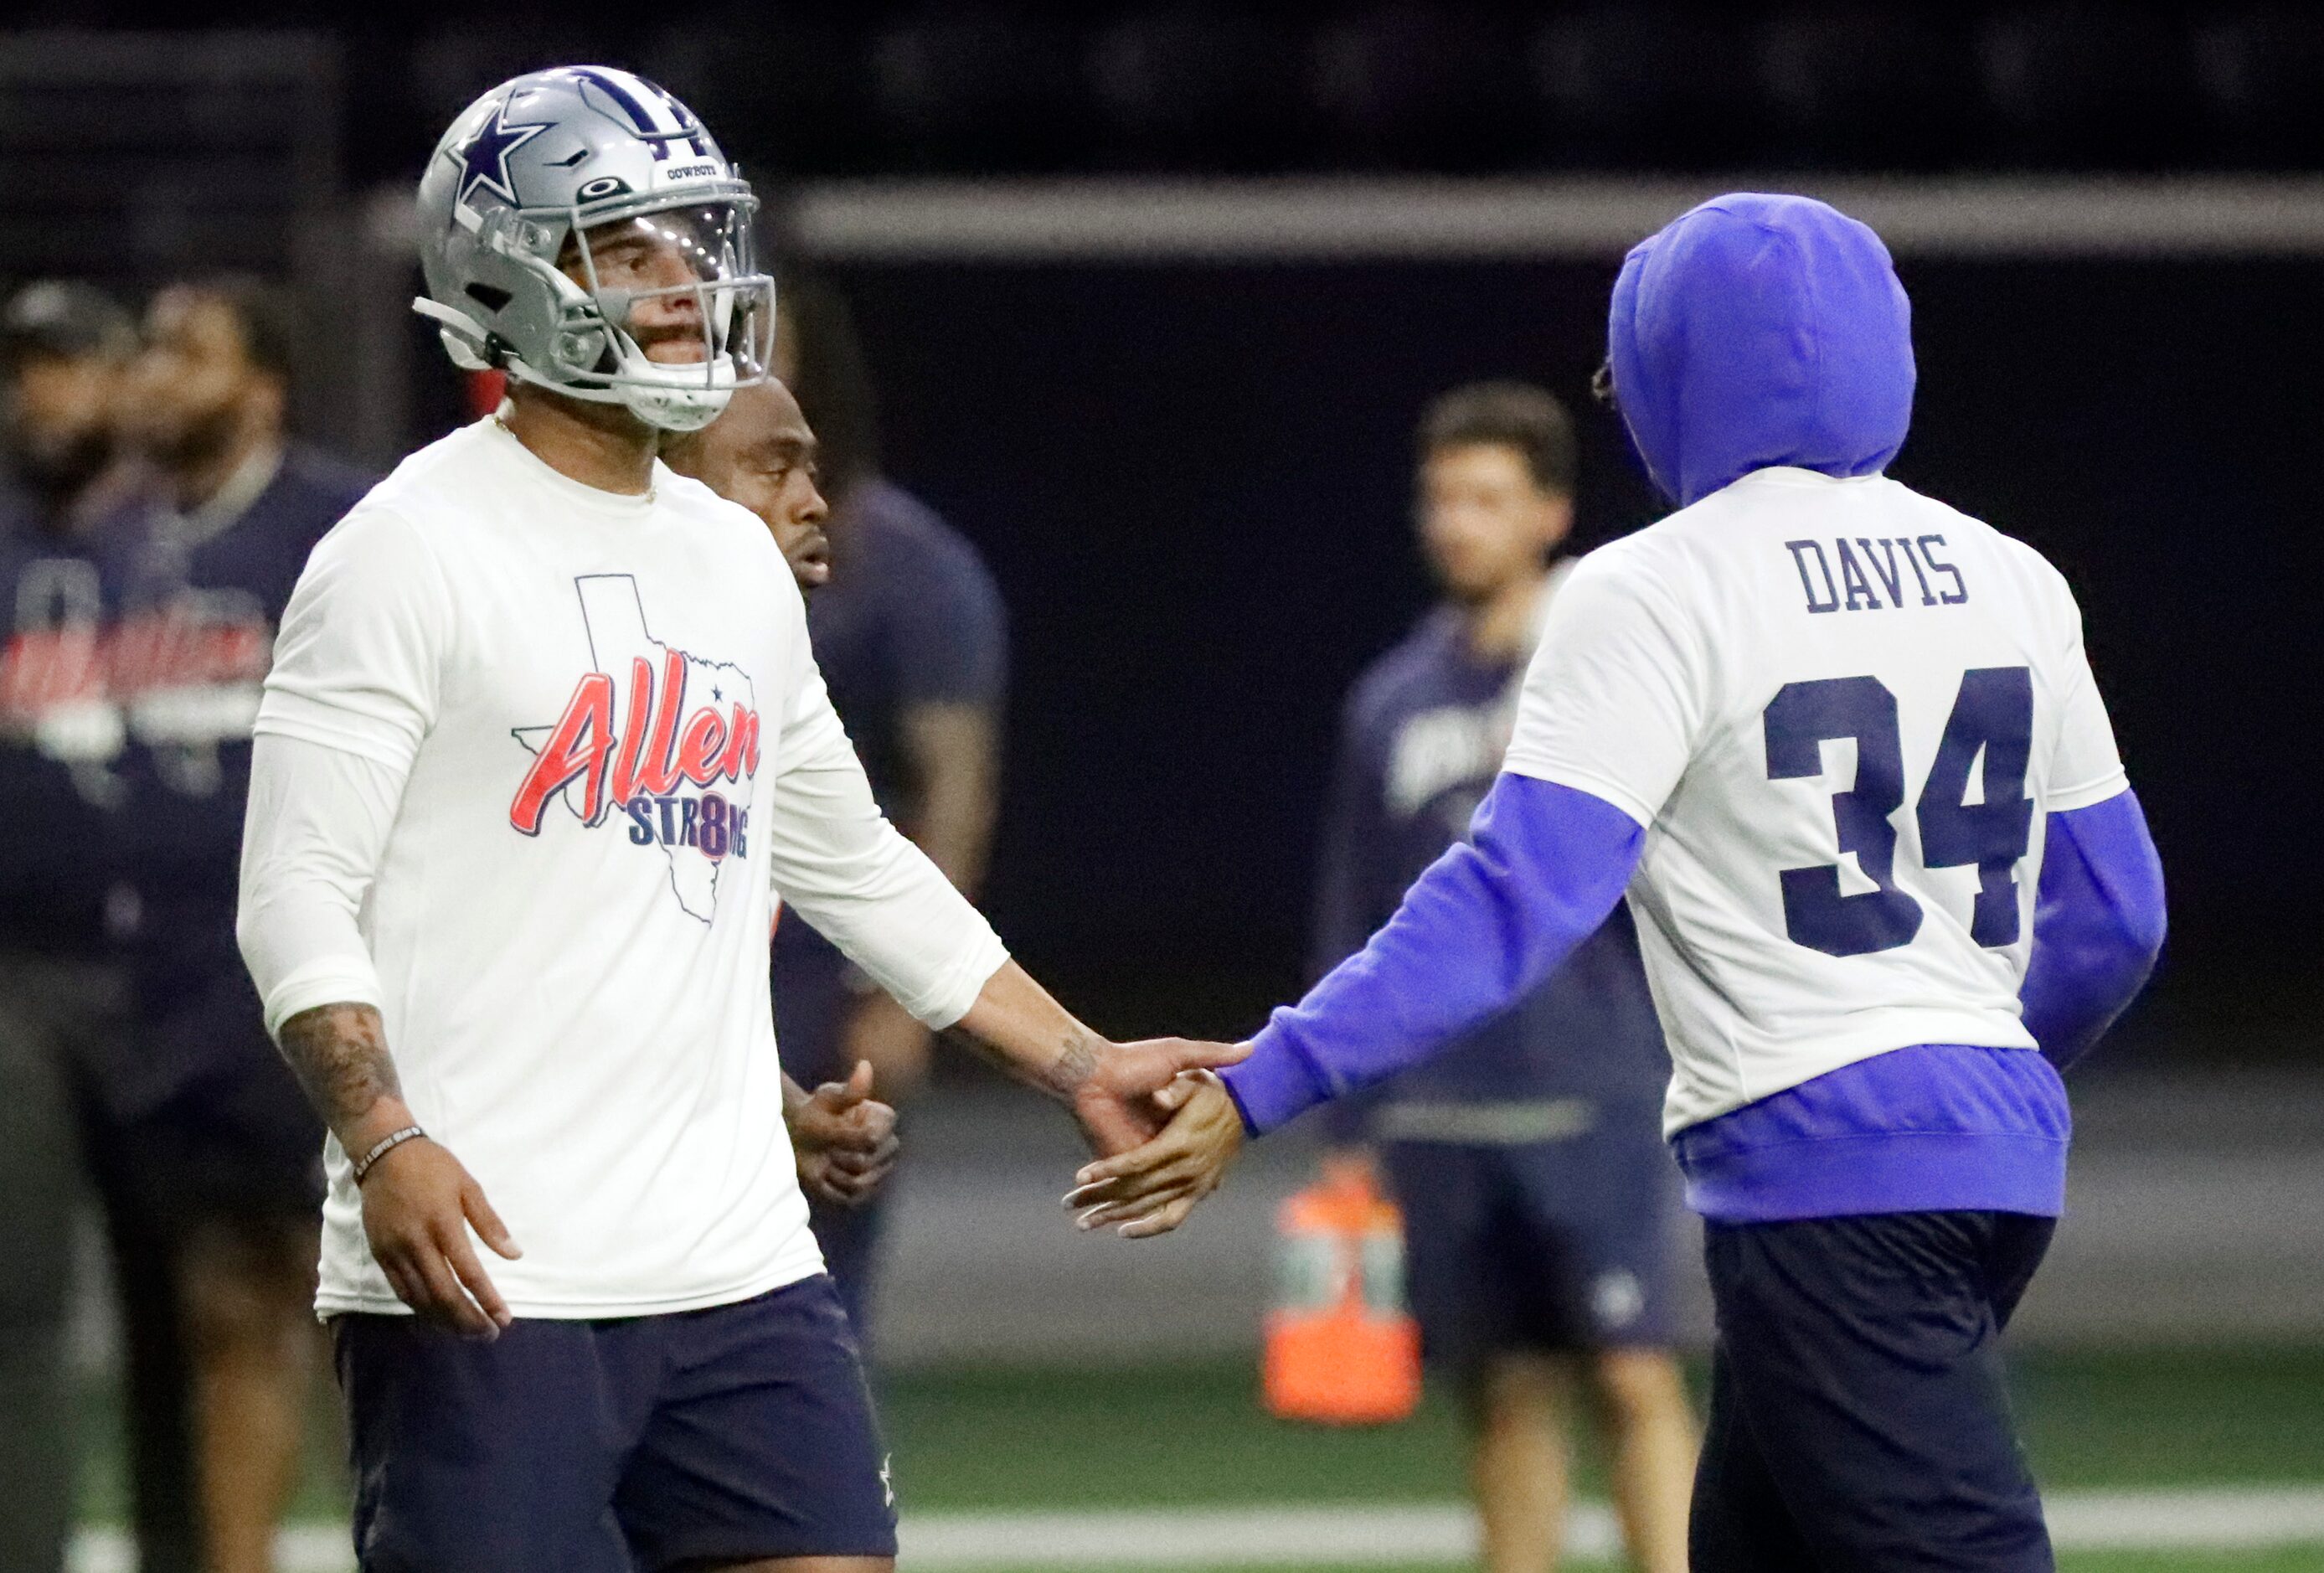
2218 1455
1027 1440
1046 523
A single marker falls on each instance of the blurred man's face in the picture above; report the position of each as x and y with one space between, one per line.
761 454
1484 522
59 416
194 390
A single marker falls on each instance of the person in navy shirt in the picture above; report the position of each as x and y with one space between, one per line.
1528 1157
228 1155
910 634
63 346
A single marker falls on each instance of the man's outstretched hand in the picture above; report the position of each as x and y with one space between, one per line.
418 1205
844 1139
1152 1189
1119 1097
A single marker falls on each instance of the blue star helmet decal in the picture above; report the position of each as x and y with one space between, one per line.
483 159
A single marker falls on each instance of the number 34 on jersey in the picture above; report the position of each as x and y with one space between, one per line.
1986 821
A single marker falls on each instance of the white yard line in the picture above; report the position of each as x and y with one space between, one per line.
1248 1537
2225 1518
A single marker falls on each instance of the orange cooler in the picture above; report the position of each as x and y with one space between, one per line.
1342 1349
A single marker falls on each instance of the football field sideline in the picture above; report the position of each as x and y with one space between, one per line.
2211 1518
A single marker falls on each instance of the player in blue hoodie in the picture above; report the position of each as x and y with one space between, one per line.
1842 748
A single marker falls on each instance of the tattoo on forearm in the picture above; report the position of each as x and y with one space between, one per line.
339 1055
1063 1076
1074 1065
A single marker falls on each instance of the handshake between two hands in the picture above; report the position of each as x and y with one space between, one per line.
1161 1122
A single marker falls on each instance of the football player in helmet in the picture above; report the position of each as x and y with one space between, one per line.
520 956
584 234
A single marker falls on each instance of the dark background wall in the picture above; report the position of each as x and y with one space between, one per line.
1193 483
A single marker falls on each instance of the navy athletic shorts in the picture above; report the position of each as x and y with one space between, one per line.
1557 1246
1859 1419
626 1445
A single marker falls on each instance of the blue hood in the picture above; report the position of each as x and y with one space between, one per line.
1759 330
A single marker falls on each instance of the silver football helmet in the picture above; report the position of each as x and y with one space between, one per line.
594 171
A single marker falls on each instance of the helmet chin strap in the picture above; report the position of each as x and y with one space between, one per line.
663 399
691 414
464 338
687 405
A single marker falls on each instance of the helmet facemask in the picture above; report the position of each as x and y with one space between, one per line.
581 230
676 280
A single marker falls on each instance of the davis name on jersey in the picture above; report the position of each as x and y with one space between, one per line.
1843 809
681 778
1839 711
1938 582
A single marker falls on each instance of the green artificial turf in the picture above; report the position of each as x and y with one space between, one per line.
1000 1441
1085 1439
2175 1418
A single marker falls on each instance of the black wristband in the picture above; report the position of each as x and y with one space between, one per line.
382 1148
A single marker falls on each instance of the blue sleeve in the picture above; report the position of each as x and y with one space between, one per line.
950 643
2098 923
1481 927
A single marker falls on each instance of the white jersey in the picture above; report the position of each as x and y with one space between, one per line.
1840 710
605 739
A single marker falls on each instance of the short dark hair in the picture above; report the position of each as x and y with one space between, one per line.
263 312
1515 415
830 380
67 318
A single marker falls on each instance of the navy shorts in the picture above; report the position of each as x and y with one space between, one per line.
1555 1247
643 1443
1858 1418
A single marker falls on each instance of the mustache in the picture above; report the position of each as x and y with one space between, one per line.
619 307
666 333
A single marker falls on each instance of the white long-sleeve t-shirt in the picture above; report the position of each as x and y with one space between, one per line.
531 760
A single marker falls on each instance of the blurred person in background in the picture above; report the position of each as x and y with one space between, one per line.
228 1153
760 453
64 344
912 639
63 349
1528 1158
